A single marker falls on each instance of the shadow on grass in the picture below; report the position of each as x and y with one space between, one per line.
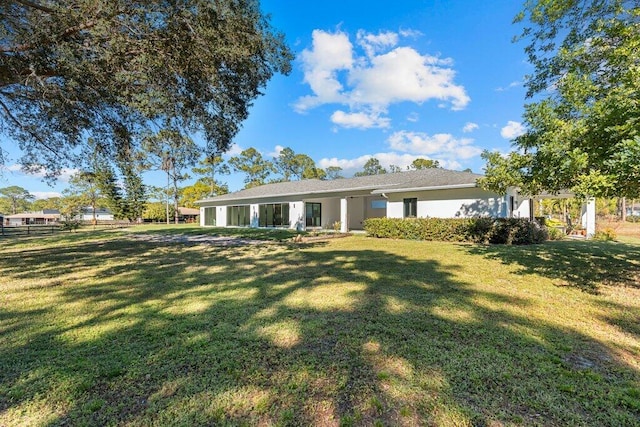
270 234
584 265
115 331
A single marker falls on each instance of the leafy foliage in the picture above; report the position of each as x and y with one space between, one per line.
172 152
510 231
421 163
253 165
333 172
17 198
371 167
582 131
109 69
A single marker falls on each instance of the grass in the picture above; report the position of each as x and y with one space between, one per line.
101 329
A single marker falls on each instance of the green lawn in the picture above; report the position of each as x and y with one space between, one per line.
103 329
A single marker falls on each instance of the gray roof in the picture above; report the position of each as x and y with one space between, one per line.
424 179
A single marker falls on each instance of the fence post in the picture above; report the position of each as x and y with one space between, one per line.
28 230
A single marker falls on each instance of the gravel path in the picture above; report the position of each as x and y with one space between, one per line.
197 239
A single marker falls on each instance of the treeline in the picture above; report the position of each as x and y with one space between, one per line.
116 184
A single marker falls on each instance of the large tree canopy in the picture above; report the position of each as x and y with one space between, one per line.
71 69
583 128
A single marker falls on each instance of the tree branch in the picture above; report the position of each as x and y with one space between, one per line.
33 134
34 5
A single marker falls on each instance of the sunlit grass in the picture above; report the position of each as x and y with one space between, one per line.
98 328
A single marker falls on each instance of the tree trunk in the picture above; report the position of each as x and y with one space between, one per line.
623 209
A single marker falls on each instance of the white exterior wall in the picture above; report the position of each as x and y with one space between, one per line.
395 208
99 217
221 216
254 212
588 217
296 215
455 203
202 216
521 205
330 211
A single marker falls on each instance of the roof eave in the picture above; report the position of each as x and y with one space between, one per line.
435 187
302 193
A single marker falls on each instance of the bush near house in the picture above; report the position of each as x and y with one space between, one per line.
510 231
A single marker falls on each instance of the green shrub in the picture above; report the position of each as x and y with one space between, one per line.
555 233
517 231
633 218
606 234
70 225
512 231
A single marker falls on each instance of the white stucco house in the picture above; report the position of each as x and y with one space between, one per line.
101 214
310 204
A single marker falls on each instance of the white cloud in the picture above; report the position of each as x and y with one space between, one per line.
385 74
329 54
469 127
512 130
46 194
413 117
373 43
276 151
410 33
351 166
234 150
40 172
359 120
509 86
442 145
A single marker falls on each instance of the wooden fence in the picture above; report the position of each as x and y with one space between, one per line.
29 230
43 229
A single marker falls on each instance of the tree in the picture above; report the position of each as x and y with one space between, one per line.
421 163
157 212
253 165
294 166
209 168
582 130
198 191
333 172
70 69
49 203
84 187
314 173
371 167
18 198
394 169
172 152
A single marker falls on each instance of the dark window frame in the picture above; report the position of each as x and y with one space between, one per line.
410 207
273 215
313 220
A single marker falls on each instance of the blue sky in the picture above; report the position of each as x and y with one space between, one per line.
393 80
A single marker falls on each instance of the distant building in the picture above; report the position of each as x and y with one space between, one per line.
101 214
48 216
188 214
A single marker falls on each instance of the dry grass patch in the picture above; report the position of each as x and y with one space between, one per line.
100 329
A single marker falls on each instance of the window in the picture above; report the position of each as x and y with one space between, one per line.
410 208
313 214
210 216
274 215
238 216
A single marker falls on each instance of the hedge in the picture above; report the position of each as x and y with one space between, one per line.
510 231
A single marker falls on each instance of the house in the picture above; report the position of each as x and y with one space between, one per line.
346 203
101 214
188 214
48 216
